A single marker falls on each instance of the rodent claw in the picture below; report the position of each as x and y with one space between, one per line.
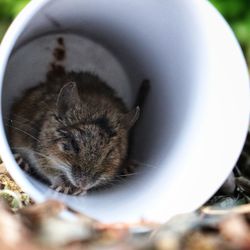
17 155
52 186
21 162
82 193
26 167
59 188
18 158
79 192
66 190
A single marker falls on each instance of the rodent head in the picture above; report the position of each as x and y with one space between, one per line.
88 147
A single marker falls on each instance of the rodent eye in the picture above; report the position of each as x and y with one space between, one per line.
109 153
71 146
66 147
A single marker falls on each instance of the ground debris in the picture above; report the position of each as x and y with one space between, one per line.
41 226
11 192
222 223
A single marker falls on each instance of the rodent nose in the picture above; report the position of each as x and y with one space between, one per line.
80 183
80 177
84 183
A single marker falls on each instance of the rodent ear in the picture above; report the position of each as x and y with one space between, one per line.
130 118
68 98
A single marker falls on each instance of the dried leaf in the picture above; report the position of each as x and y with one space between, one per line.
243 209
58 232
200 241
235 230
12 198
2 168
44 210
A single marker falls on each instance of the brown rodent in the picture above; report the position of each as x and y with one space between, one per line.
73 130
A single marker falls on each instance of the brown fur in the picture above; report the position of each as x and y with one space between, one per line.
73 130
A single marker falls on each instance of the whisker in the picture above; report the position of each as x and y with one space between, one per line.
118 178
28 126
143 163
125 175
117 181
33 151
56 139
17 116
22 148
62 167
23 131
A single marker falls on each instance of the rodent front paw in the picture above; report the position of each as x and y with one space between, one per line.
79 192
60 188
68 190
21 162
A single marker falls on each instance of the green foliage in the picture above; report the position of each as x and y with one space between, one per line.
232 9
237 13
10 8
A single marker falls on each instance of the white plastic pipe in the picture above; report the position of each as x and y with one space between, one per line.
196 116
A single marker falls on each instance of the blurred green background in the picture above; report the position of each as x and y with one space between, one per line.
236 12
8 10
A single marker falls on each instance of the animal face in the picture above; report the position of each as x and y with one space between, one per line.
91 154
88 147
